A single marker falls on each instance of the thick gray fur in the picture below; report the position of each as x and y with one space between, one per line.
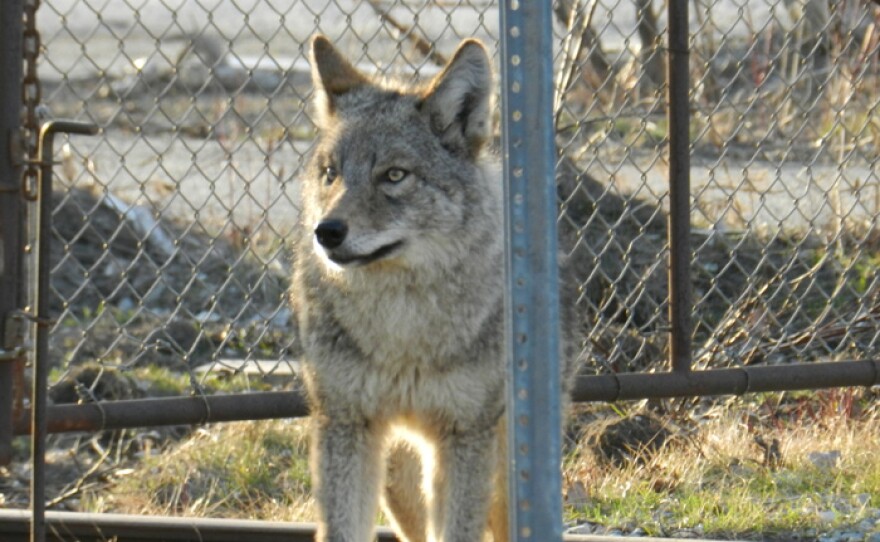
398 289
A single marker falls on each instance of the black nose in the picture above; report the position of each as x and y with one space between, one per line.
331 233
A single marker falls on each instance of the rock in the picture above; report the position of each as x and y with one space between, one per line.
826 516
93 382
685 533
626 440
825 460
576 494
584 528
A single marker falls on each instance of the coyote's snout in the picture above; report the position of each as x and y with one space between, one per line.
331 234
398 290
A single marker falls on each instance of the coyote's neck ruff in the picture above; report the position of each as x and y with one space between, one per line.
398 290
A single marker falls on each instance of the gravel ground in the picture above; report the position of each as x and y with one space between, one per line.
865 531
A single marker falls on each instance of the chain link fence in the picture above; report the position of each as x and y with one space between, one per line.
784 139
169 253
170 226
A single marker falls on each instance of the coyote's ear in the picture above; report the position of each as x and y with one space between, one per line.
459 100
332 76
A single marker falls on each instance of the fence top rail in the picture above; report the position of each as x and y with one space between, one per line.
614 387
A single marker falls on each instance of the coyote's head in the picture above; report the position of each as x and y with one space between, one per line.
397 175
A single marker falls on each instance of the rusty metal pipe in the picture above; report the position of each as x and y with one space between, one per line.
41 320
619 387
734 381
80 527
172 411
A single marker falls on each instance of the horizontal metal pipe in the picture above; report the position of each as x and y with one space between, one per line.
80 527
734 381
70 526
616 387
171 411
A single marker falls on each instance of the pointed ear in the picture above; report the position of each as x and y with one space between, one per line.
458 101
332 76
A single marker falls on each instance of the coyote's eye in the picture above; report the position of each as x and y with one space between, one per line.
395 175
330 174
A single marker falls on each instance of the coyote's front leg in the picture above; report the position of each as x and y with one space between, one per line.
462 486
346 468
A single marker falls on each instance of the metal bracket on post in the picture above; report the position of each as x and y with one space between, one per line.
41 319
532 294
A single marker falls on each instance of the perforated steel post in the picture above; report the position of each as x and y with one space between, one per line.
532 274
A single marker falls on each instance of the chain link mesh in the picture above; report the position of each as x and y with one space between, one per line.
784 174
170 225
169 230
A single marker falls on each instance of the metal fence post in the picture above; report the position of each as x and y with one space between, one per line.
680 299
11 215
42 322
532 292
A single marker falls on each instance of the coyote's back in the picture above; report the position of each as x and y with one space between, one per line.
398 289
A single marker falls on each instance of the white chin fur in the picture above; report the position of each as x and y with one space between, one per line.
322 254
359 247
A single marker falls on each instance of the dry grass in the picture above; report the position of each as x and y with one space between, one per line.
256 470
711 477
808 466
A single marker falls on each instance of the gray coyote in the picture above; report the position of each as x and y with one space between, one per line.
398 289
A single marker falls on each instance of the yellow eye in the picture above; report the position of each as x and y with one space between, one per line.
395 174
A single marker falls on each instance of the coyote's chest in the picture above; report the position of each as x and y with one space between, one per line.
422 351
398 325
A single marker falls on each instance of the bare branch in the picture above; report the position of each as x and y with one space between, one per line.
421 44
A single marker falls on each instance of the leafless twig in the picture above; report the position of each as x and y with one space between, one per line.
81 483
579 25
421 44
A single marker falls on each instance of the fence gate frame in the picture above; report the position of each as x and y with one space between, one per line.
12 352
529 149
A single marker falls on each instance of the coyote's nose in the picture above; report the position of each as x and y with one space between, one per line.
331 233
